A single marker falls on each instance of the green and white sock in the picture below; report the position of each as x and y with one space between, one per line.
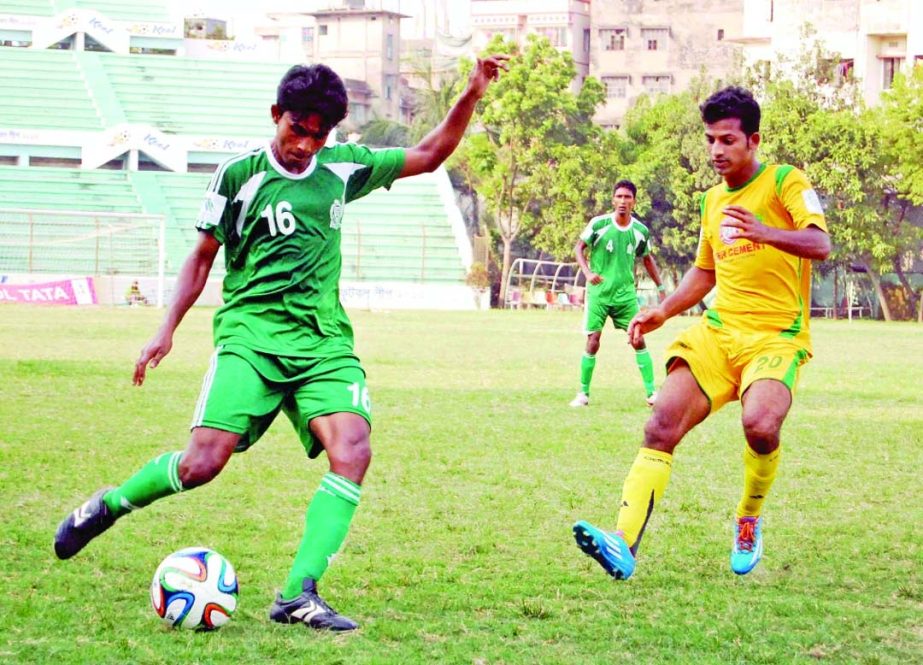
587 365
156 479
646 365
325 527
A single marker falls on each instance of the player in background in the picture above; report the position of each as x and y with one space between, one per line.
283 340
761 228
614 241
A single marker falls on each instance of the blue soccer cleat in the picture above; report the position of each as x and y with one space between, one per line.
748 544
608 549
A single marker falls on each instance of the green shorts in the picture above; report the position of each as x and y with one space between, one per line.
244 390
597 311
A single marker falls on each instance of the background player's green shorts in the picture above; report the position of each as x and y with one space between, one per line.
725 362
597 311
244 390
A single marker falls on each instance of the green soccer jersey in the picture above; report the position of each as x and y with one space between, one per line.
281 236
613 250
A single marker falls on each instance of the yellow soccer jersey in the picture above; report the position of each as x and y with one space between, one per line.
760 288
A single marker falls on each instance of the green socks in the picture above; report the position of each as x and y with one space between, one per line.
587 365
325 526
156 479
646 365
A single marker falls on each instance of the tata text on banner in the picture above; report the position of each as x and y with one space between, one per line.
63 292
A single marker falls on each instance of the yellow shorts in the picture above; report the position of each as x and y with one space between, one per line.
725 362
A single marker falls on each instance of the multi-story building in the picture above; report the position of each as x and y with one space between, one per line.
566 23
363 45
873 38
654 46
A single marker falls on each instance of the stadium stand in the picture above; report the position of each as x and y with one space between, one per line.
400 235
29 7
198 97
45 90
120 10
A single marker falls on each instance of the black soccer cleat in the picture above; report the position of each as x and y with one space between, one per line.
83 525
311 610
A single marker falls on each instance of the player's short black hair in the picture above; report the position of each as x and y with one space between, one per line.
313 89
627 184
733 102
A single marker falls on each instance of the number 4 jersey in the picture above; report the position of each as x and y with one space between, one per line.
281 234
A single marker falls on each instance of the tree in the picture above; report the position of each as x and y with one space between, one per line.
813 118
384 133
526 117
669 164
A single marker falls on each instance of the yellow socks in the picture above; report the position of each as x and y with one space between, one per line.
759 472
644 486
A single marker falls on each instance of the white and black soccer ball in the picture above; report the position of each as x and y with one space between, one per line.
195 588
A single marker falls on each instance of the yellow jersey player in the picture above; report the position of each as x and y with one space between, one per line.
761 228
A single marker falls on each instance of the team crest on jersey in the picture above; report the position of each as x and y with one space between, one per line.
336 214
727 233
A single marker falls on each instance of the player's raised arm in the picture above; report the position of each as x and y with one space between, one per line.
189 284
436 146
695 285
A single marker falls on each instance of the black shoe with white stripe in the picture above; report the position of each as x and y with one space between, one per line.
311 610
83 525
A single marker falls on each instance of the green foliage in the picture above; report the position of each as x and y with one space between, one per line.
384 133
902 133
461 551
528 115
478 277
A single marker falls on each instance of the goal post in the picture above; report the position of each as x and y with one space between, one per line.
34 242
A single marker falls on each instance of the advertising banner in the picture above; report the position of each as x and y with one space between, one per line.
78 291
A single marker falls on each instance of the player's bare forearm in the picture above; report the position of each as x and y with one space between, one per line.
189 284
191 280
441 142
695 285
651 268
810 243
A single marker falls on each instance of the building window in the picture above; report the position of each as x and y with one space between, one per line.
389 47
613 39
720 34
891 67
844 69
655 39
321 30
557 36
389 87
657 84
586 41
616 86
307 35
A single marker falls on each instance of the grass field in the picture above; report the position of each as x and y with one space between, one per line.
461 551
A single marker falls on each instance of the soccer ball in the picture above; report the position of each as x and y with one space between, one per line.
195 588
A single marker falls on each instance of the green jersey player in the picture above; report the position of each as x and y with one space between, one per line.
283 341
614 241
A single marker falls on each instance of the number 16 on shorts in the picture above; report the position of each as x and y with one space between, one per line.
360 396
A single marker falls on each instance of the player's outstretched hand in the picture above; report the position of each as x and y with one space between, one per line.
151 355
487 70
594 278
644 322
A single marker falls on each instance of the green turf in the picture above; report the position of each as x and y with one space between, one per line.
461 550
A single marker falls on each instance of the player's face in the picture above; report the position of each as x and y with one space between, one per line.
623 201
297 138
732 152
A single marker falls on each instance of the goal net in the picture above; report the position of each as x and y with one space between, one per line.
82 244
